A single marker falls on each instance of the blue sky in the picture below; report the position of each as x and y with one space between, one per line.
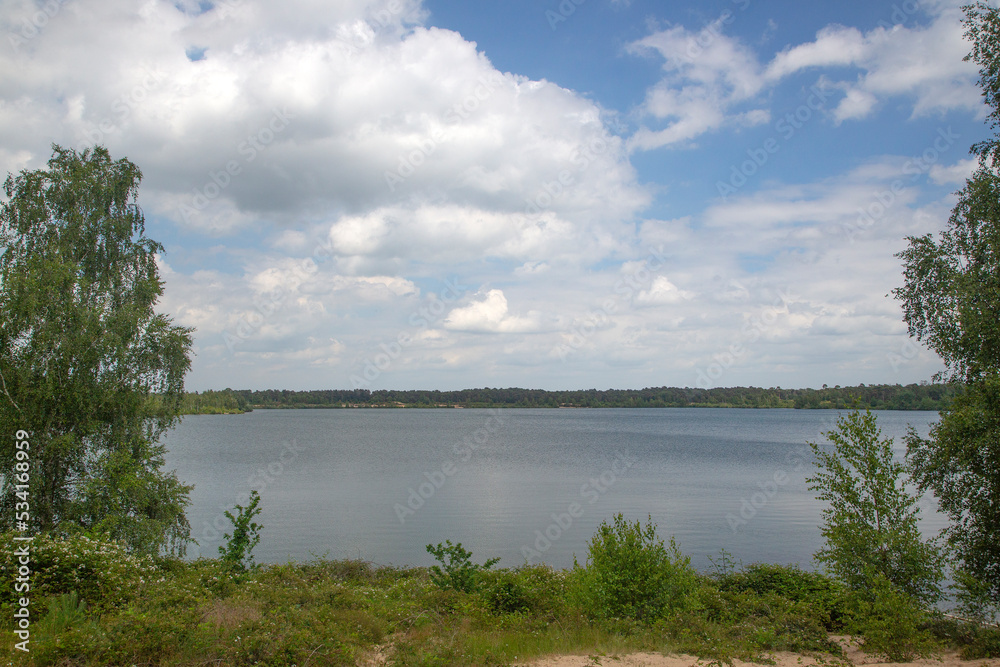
437 194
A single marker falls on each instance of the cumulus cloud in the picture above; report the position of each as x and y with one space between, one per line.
856 103
490 315
662 291
705 73
710 77
342 109
953 174
340 176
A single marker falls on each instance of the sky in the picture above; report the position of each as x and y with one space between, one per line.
435 194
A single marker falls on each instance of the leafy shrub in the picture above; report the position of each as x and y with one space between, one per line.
236 556
974 597
825 594
65 634
65 612
459 572
631 574
355 571
890 623
745 625
507 597
974 640
101 572
870 525
537 590
984 643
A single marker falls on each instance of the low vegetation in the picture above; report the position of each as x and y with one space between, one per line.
94 605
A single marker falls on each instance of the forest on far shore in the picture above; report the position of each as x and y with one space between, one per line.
923 396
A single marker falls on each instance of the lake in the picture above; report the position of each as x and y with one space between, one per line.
521 484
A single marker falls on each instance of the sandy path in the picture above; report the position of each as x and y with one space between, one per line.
854 655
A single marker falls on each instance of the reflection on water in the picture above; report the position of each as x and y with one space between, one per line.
381 484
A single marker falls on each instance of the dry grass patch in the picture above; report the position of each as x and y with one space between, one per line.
229 614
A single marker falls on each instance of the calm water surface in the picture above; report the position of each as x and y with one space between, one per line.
516 483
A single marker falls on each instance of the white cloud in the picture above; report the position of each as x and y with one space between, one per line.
953 174
856 103
490 315
409 160
532 268
923 62
662 291
706 72
834 46
348 109
709 76
873 199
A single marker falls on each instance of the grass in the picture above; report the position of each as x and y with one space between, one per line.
326 612
338 612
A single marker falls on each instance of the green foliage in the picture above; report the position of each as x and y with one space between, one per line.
236 553
346 612
102 572
890 623
66 611
950 285
211 402
81 352
456 570
923 396
950 301
981 643
975 598
631 574
65 633
507 596
825 594
870 524
530 589
982 30
960 463
747 626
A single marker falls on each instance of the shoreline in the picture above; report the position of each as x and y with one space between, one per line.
911 397
502 406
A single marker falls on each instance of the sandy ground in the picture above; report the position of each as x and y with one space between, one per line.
853 655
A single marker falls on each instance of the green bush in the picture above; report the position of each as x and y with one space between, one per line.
746 625
984 643
102 573
825 594
531 589
236 553
459 572
890 623
973 640
974 597
65 633
65 612
507 596
630 574
871 525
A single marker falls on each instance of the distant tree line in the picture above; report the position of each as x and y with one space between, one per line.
211 402
876 397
